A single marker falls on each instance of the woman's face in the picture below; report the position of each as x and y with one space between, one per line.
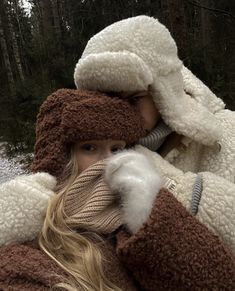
144 102
90 152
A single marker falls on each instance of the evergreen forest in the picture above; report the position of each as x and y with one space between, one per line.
41 41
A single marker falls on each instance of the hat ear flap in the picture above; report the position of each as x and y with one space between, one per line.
49 151
183 113
200 92
53 161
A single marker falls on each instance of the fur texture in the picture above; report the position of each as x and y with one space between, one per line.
175 252
200 92
133 176
216 164
186 105
78 115
172 251
217 206
139 53
119 66
23 202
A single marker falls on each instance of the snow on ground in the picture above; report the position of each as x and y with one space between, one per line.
9 167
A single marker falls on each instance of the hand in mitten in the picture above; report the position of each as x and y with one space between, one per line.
204 194
23 202
135 179
182 183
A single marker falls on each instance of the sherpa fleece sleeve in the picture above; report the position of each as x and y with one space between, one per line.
23 203
174 251
24 267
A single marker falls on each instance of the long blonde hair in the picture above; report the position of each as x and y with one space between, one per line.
76 253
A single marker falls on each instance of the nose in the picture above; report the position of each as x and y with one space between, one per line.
107 153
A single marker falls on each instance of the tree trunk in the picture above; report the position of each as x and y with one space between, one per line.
22 43
229 67
6 59
206 32
14 43
56 19
45 6
165 17
178 25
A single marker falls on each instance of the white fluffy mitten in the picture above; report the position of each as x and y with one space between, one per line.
23 202
133 176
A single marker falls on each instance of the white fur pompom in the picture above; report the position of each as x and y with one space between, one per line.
133 176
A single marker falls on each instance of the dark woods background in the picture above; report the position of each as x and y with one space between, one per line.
39 49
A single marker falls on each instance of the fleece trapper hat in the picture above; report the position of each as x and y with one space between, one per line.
69 116
139 53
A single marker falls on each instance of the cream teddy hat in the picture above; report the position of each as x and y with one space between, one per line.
139 53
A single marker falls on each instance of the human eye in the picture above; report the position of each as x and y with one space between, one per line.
88 147
136 97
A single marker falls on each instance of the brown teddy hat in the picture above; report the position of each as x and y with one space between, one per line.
68 116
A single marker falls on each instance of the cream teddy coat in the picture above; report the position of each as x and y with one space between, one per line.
139 54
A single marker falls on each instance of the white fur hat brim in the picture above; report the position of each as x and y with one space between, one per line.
112 71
